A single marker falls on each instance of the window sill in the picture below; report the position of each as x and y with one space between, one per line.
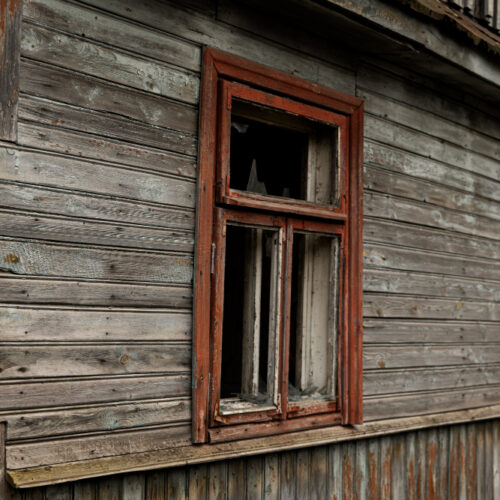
195 454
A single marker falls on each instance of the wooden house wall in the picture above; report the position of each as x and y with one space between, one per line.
97 218
461 461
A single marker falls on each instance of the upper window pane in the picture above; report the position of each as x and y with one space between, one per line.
276 153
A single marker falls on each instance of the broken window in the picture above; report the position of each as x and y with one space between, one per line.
280 222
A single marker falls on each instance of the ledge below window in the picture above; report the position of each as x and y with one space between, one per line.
196 454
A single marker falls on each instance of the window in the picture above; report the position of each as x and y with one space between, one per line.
278 259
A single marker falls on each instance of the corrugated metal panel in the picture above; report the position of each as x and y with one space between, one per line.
460 461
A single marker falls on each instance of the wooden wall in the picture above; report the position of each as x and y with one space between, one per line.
97 216
461 461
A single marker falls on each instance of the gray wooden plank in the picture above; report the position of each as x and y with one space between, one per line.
69 173
407 331
236 479
429 402
116 65
380 382
198 482
167 16
399 306
104 124
82 231
43 393
107 445
287 475
87 293
424 168
176 488
386 181
133 487
59 84
429 284
398 486
416 212
45 424
85 490
59 492
272 477
93 325
255 478
217 481
117 32
10 35
408 259
110 488
61 361
302 478
390 356
155 485
319 471
388 132
34 258
432 463
93 206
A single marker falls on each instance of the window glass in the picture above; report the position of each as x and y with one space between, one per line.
251 303
314 316
279 154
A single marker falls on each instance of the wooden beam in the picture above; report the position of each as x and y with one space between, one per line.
10 43
185 455
4 487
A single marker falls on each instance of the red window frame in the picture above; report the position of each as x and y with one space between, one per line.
224 77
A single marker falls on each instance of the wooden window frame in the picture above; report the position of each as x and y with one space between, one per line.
224 77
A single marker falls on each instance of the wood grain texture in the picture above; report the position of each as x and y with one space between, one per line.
10 50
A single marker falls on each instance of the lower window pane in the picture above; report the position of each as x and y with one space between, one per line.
314 317
249 347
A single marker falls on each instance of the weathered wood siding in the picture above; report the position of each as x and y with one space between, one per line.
461 461
97 217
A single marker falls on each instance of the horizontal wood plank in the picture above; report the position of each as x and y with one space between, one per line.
396 306
390 356
15 225
382 382
43 111
433 285
40 259
87 293
396 331
84 360
387 132
429 238
22 324
71 173
106 445
431 402
58 84
408 259
105 418
59 201
115 65
118 32
46 393
422 167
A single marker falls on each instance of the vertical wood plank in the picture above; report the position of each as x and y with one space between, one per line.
4 487
385 468
10 43
217 481
361 478
302 477
287 475
488 462
155 485
480 460
176 484
496 458
59 492
133 487
432 463
471 476
318 472
443 462
397 468
374 469
271 477
110 488
197 482
348 471
85 490
454 463
411 466
255 478
236 479
31 494
461 435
